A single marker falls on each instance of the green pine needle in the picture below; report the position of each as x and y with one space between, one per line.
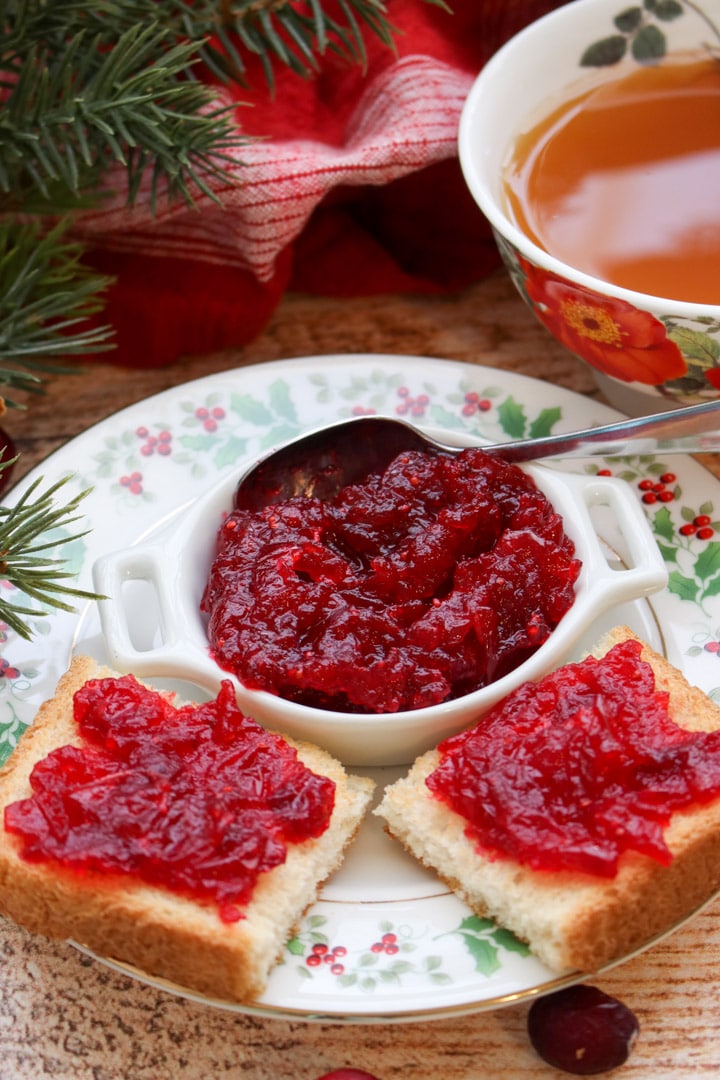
46 298
73 113
27 534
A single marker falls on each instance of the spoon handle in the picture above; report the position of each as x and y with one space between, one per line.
692 429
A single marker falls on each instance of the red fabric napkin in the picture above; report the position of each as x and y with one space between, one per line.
354 188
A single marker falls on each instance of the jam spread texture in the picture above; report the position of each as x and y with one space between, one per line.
200 800
418 585
571 772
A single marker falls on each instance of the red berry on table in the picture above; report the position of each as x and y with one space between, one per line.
582 1030
347 1074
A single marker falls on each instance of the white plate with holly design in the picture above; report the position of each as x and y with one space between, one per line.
386 941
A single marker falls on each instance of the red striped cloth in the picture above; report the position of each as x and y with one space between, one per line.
353 188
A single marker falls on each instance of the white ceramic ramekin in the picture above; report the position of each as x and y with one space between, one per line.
175 564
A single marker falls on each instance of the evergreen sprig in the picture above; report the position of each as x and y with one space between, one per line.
46 296
72 113
83 89
274 30
28 532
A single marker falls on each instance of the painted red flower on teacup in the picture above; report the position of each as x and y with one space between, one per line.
613 336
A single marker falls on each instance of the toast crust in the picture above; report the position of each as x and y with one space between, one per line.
161 933
573 921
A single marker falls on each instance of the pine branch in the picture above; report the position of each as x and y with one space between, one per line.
274 30
78 96
28 531
73 112
46 296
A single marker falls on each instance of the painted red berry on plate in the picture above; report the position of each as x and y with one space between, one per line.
582 1030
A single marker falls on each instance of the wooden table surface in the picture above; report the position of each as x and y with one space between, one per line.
63 1015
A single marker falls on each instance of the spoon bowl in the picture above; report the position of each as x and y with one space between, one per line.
323 461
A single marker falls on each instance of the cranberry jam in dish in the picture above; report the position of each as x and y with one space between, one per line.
416 586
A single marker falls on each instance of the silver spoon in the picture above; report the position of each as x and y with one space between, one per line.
322 462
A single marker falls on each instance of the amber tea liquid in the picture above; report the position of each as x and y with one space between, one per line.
624 182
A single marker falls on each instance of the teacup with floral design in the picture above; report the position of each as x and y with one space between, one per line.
648 353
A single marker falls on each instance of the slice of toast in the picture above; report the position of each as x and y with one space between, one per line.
163 933
572 921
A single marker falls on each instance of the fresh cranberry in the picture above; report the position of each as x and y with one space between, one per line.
582 1030
347 1074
